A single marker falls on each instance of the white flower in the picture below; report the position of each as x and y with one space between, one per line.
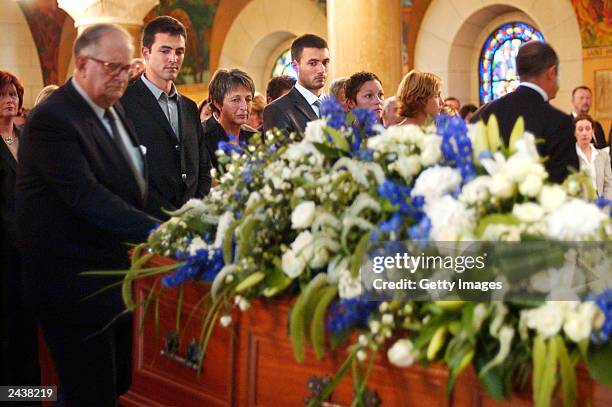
361 355
225 320
476 190
402 353
374 326
303 245
406 167
551 197
349 287
297 151
435 182
450 219
547 319
528 212
430 150
314 131
225 221
387 319
575 220
254 199
501 186
295 259
531 185
292 264
519 166
196 244
526 146
579 323
303 215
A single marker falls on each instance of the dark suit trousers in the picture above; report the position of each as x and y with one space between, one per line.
93 362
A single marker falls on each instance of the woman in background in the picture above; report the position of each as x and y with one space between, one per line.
19 338
596 163
255 121
419 97
364 90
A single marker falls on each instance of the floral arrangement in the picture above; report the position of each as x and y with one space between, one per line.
295 217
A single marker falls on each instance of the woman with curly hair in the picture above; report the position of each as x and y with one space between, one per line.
419 97
364 90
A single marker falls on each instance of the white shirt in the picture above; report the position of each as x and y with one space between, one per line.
133 151
310 97
535 87
586 165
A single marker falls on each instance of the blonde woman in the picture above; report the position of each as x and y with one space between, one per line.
419 97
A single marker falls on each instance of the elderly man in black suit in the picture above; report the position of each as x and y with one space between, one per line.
538 68
290 113
167 122
81 185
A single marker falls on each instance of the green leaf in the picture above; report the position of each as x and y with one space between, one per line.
338 139
317 325
493 134
297 323
275 282
517 132
357 258
539 359
568 374
329 153
549 377
227 242
599 362
251 281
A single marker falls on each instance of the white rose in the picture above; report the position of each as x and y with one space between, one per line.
528 212
292 264
314 131
579 323
547 319
435 182
303 215
531 185
320 258
501 186
303 245
402 353
551 197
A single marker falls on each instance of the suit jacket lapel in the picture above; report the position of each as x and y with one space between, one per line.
148 102
302 105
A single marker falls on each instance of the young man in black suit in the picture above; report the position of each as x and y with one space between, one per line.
290 113
538 68
167 122
81 185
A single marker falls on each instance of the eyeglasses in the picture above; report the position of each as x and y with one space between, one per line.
112 68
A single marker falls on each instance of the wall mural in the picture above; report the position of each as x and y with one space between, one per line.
595 21
197 16
45 20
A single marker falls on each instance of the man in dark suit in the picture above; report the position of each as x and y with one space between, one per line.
167 122
538 69
290 113
80 186
582 99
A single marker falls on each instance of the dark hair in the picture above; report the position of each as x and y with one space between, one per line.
277 85
584 117
306 41
93 34
465 109
7 78
162 25
534 57
355 82
451 98
223 81
577 88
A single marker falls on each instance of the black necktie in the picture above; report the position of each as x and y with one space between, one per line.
317 103
118 142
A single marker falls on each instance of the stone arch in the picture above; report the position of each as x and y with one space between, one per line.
18 53
453 32
263 29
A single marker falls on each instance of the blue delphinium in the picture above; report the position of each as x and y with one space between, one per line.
604 203
204 264
456 146
333 112
365 120
350 313
604 302
229 148
420 231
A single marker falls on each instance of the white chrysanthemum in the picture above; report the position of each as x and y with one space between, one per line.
575 220
435 182
531 185
501 186
450 219
476 191
430 150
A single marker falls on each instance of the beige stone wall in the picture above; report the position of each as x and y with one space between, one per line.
18 53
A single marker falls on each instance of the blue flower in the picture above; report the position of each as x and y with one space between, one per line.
203 265
421 230
228 148
604 302
333 112
350 313
366 119
456 146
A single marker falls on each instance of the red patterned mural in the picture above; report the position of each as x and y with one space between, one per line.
46 21
595 20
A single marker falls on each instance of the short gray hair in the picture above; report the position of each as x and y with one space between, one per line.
91 36
336 86
223 81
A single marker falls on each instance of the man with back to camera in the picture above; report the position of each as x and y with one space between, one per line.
167 122
290 113
538 69
81 186
582 99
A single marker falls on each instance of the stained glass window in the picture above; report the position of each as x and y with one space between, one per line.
283 65
497 67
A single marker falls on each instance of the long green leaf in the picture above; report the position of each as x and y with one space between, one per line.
568 374
539 359
317 325
297 323
549 376
357 258
517 132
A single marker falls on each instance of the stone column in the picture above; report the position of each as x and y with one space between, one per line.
127 14
365 35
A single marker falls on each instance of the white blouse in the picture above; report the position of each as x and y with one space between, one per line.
586 165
